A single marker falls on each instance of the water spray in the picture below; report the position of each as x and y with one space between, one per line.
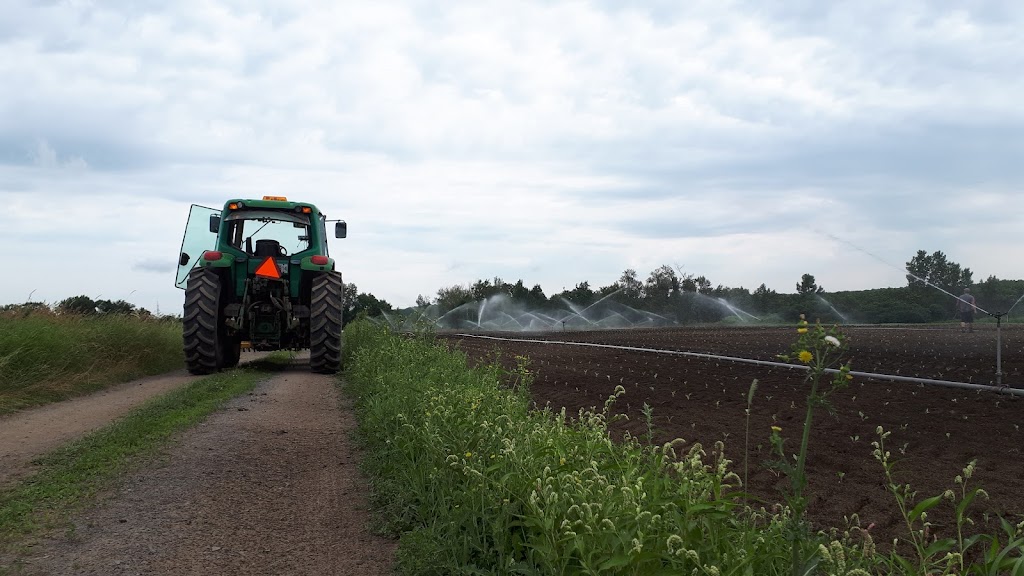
736 310
838 313
601 300
997 315
1015 304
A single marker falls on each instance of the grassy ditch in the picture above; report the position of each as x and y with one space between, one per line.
473 481
71 475
45 357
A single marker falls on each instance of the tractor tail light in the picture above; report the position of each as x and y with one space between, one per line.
319 260
212 255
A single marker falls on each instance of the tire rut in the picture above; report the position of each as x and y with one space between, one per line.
269 485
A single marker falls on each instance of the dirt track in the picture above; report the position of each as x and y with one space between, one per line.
269 485
28 434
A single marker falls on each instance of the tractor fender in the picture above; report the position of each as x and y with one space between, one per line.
307 264
225 261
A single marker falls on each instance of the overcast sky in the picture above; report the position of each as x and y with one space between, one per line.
550 141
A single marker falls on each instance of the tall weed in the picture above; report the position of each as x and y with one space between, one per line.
474 481
46 357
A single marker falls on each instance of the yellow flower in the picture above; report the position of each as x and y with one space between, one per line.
469 454
805 356
776 429
849 376
801 330
561 462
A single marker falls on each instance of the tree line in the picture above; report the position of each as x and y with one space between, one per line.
933 283
82 306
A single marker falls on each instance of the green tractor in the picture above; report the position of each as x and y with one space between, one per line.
259 271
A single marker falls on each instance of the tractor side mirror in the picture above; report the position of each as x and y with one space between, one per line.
183 259
340 229
214 223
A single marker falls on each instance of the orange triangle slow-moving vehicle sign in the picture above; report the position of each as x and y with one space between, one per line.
268 269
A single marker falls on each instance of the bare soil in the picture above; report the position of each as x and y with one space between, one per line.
935 431
268 485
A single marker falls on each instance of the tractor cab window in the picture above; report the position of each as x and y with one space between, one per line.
268 232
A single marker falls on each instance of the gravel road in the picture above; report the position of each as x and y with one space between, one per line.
269 485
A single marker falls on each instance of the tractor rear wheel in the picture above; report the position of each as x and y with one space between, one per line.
325 323
201 323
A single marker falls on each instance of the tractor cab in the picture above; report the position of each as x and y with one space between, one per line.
269 260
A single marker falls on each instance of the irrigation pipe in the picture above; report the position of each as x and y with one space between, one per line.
893 377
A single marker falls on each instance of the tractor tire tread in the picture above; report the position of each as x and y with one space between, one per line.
326 302
202 301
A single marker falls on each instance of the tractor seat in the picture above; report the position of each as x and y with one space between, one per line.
266 248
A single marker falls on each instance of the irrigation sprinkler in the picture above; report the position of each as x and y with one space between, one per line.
997 315
999 345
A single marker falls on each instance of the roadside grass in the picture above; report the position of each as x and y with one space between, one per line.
71 476
473 481
45 357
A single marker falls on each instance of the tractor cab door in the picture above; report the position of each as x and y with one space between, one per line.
200 235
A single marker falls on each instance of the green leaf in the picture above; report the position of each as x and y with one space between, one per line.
968 498
1018 567
615 562
944 545
923 506
972 540
905 564
1001 562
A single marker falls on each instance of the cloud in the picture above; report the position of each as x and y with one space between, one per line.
553 141
163 266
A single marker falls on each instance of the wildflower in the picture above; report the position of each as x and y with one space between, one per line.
801 330
673 542
832 340
805 356
469 454
776 429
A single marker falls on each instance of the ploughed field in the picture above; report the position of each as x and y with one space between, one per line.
936 430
